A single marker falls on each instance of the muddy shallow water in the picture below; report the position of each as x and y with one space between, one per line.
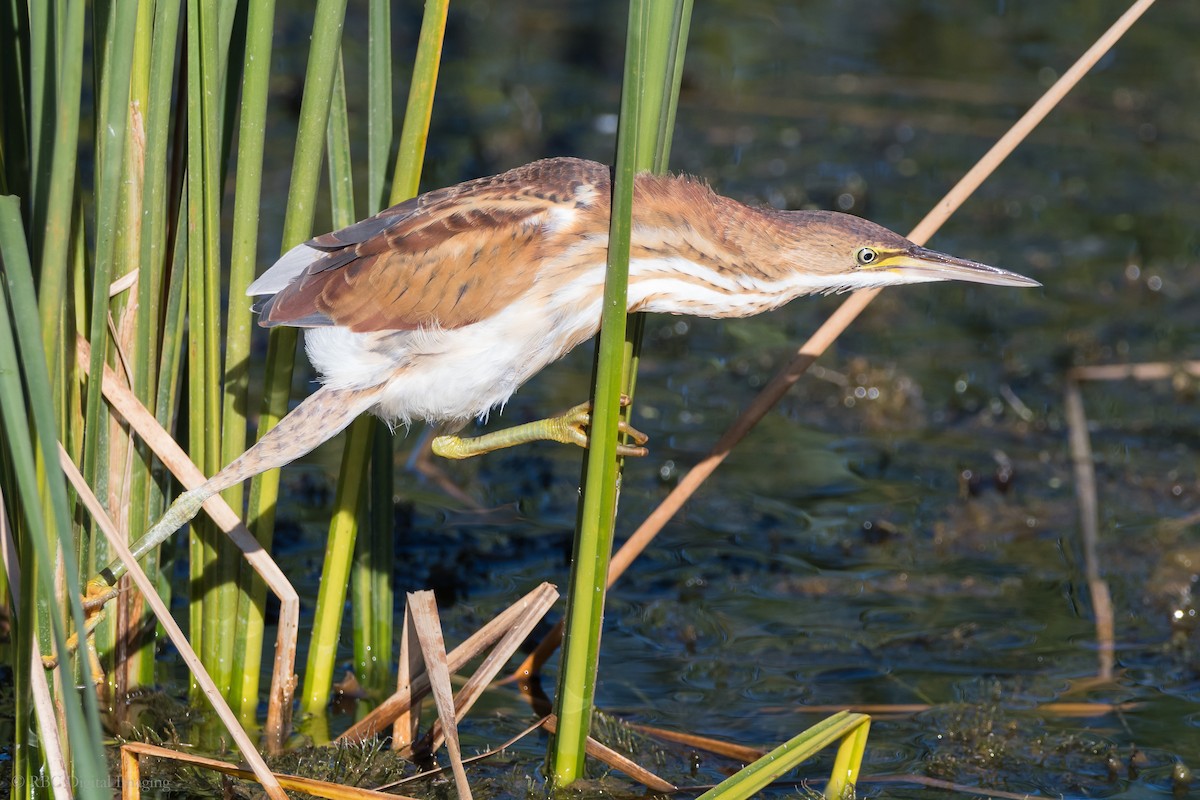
903 529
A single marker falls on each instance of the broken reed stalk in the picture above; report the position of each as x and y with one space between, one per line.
117 542
433 648
833 327
165 448
391 708
495 661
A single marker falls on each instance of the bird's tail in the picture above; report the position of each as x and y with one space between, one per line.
321 416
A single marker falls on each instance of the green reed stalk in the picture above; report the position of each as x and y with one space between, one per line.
213 608
415 131
111 118
653 63
20 377
343 528
373 596
14 78
56 52
297 226
379 102
134 653
256 76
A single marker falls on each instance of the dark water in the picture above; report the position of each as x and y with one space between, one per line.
842 555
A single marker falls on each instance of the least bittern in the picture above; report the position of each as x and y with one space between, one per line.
439 308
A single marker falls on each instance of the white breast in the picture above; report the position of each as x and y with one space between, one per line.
444 375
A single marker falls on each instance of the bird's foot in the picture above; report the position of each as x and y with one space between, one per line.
570 427
93 606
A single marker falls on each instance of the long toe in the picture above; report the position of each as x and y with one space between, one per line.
96 594
630 451
632 432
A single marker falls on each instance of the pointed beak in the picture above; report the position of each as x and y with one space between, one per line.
934 266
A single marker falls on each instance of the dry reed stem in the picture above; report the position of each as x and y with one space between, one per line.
387 711
495 661
937 783
1089 526
131 775
283 680
735 752
1147 371
428 627
404 729
199 674
131 751
43 704
1061 709
1086 492
811 350
606 755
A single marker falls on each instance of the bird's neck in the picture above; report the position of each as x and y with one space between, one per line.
707 255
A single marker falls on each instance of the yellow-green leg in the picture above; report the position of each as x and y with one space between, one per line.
318 418
102 588
569 427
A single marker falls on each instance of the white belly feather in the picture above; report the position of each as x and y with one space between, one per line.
441 375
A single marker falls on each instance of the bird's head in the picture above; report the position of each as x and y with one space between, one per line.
844 252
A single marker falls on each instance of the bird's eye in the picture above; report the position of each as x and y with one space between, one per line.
865 256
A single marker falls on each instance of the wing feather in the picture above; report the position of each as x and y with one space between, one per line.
447 258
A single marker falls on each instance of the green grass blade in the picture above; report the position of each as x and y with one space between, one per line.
79 706
788 756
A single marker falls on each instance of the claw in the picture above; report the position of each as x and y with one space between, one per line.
96 594
89 625
577 420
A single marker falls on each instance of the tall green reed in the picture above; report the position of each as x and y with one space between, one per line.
655 44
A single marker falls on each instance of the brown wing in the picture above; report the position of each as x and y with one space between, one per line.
448 258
